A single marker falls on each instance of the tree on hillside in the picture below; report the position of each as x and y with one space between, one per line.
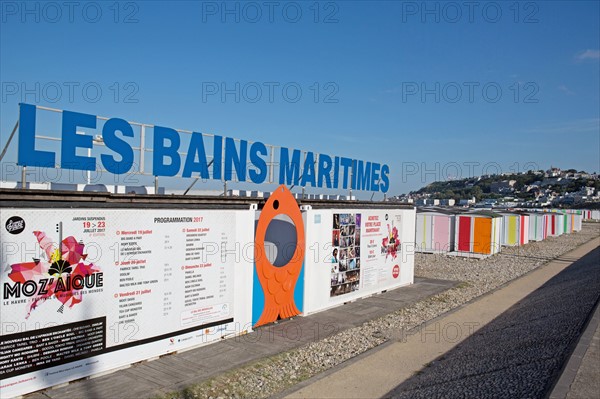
477 192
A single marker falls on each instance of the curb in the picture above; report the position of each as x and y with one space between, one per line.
569 372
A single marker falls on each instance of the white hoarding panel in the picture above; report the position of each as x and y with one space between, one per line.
124 286
355 253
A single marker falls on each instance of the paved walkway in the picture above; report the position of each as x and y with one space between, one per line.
175 372
581 376
509 343
587 381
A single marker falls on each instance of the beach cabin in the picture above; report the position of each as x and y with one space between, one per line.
567 226
538 226
577 222
515 228
556 223
524 229
574 219
434 231
478 232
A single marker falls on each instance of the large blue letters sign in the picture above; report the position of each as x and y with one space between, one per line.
247 160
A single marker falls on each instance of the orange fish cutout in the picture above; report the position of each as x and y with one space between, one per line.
278 283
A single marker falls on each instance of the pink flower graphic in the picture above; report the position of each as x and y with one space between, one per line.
59 267
391 243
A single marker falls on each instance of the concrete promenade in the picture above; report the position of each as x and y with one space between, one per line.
175 372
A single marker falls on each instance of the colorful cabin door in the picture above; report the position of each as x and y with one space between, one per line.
512 230
482 235
441 233
464 233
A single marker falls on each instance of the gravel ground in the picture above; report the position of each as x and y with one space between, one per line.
275 374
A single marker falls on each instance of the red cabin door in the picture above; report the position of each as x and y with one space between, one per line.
464 233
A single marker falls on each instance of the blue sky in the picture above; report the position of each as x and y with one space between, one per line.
380 81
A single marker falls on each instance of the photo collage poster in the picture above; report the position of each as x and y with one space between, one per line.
345 256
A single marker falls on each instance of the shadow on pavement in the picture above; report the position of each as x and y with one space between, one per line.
521 352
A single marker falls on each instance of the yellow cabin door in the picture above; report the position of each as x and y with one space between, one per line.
482 235
512 230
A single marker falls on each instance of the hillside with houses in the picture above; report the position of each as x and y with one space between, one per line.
553 187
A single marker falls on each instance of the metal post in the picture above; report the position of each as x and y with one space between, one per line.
384 197
350 185
142 144
12 134
272 164
377 184
23 176
224 188
89 154
197 178
303 197
155 185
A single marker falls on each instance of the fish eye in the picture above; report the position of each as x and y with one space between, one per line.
275 204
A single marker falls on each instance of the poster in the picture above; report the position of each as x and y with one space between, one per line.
345 257
383 248
365 251
124 285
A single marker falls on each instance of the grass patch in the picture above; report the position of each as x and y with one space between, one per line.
463 284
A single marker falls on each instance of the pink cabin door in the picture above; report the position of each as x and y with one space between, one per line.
441 233
464 233
522 229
